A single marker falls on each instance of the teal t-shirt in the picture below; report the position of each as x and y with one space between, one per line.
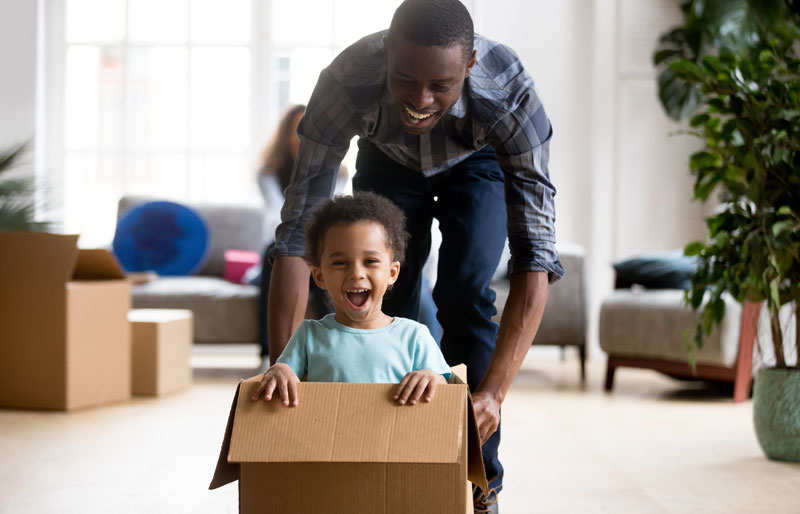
327 351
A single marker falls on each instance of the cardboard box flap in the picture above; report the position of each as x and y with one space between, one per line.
97 264
226 472
476 473
37 257
338 422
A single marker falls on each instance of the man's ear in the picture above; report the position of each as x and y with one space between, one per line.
471 62
394 272
316 274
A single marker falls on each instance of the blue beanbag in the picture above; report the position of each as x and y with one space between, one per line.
165 237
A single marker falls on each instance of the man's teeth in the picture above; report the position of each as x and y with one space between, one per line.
358 290
416 115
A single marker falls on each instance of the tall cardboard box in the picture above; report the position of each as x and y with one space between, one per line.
64 332
352 448
161 341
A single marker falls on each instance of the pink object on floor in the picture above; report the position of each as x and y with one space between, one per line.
237 262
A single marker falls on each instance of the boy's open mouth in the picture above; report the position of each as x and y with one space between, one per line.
357 297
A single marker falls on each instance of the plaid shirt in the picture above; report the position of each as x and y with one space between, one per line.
498 106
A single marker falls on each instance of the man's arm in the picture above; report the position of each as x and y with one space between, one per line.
288 296
518 325
325 132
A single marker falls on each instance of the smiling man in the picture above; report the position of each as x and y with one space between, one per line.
450 127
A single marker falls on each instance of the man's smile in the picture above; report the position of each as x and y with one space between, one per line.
418 115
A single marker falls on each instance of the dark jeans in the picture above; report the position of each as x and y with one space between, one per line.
469 202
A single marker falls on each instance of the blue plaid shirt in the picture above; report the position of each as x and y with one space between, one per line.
498 106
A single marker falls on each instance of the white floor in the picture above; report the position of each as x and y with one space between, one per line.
655 445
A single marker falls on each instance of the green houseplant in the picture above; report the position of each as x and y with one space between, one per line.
739 78
17 207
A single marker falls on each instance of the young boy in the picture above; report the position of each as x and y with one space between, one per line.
355 245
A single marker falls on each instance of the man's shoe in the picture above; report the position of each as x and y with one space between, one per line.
484 503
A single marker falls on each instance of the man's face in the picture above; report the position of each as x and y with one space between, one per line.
424 81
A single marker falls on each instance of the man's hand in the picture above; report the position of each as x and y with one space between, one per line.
278 377
522 314
417 383
487 410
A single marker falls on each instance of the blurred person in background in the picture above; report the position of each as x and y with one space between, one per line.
274 174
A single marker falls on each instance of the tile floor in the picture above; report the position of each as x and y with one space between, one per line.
653 446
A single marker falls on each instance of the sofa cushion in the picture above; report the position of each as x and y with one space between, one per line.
223 312
651 325
165 237
229 228
665 270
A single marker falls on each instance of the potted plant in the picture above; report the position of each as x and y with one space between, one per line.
744 93
17 207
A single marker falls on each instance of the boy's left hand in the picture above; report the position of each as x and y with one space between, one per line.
416 384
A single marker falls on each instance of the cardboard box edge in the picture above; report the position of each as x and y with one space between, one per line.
226 472
476 472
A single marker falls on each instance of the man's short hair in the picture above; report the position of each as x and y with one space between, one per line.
441 23
347 210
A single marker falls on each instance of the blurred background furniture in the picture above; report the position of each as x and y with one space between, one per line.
565 318
224 312
643 328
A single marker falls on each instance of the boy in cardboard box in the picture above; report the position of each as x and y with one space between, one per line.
355 245
362 452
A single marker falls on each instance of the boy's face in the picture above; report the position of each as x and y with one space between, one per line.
356 268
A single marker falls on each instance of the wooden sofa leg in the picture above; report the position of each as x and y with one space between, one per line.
582 352
744 360
611 367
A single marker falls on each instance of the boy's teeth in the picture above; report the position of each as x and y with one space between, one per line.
358 297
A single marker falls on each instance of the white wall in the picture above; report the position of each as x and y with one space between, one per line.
623 183
18 62
552 40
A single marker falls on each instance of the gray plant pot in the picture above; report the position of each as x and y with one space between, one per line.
776 413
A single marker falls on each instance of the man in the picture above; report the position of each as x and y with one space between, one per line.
450 127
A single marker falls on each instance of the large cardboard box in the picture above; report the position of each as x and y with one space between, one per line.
352 448
161 341
64 332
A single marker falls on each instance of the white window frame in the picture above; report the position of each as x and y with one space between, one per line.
263 93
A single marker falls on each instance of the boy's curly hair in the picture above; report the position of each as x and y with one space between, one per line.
347 210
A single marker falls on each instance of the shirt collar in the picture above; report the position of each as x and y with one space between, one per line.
459 109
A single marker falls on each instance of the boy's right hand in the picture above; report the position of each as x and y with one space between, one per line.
278 377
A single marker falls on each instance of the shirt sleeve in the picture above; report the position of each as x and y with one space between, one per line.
329 123
295 354
427 354
521 139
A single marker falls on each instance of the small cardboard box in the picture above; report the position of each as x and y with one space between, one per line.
161 341
64 332
352 448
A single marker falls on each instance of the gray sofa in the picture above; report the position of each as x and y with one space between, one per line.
228 313
565 318
223 312
641 328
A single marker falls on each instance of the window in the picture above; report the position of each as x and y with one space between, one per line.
175 98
